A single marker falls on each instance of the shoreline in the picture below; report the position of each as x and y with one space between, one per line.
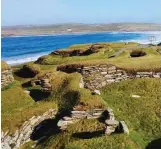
12 61
81 33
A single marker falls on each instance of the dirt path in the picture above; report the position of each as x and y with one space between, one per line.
129 48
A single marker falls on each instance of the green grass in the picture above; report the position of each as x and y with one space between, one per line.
17 107
67 140
142 117
67 93
152 61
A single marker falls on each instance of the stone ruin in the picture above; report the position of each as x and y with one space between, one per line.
78 52
44 83
137 53
107 116
96 77
22 135
6 77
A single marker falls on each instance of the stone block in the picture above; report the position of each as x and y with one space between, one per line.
156 76
103 73
112 68
112 123
110 81
111 71
123 127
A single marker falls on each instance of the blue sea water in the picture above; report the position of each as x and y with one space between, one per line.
28 48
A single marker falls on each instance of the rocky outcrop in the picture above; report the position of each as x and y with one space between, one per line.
6 77
22 135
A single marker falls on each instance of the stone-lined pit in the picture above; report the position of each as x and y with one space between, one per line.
137 53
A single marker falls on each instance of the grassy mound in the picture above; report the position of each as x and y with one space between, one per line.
141 115
28 71
18 106
105 50
67 93
151 61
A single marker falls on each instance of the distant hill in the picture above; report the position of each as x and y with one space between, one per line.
76 27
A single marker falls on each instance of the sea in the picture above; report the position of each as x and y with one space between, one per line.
22 49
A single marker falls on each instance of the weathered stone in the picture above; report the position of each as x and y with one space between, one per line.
81 84
78 112
22 135
111 71
112 123
103 83
144 73
138 76
135 96
156 76
62 123
119 79
79 116
112 68
124 127
109 76
97 114
103 73
27 92
67 118
109 130
110 80
6 78
118 74
97 92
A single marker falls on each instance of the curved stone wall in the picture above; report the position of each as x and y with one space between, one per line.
22 135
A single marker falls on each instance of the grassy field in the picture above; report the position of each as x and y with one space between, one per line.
152 61
142 115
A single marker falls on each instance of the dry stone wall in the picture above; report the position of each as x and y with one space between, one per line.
22 135
6 78
78 115
107 115
95 77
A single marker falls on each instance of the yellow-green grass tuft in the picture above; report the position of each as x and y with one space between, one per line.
4 66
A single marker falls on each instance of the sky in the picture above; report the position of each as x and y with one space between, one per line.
42 12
